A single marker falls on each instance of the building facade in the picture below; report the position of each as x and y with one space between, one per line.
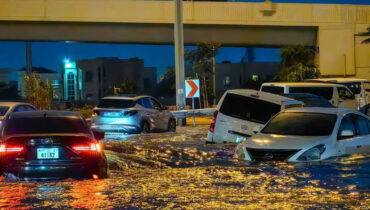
92 79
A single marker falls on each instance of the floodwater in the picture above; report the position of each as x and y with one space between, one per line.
180 171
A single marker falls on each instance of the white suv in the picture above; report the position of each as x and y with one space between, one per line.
241 113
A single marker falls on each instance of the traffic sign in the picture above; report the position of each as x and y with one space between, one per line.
192 88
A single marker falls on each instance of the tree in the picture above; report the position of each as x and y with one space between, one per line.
127 87
366 41
167 86
201 61
39 94
297 64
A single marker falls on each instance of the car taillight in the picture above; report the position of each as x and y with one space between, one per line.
93 147
7 148
213 123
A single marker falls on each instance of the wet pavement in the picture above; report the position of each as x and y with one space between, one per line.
178 170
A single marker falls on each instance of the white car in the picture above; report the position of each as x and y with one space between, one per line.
338 95
7 108
308 134
241 112
360 87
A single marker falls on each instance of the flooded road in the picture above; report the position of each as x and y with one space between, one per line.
180 171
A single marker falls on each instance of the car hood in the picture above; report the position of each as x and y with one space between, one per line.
272 141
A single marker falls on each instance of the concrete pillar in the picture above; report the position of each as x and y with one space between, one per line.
336 50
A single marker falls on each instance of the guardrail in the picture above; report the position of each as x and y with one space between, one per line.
194 112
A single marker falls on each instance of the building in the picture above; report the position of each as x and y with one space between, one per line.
46 75
5 75
91 79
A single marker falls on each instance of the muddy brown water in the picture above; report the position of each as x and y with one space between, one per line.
178 170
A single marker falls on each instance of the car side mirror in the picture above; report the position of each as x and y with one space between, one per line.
257 129
99 135
346 134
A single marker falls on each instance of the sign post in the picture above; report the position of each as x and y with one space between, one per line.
192 91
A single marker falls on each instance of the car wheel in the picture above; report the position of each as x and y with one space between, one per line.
145 127
172 125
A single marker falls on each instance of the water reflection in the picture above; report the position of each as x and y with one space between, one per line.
181 171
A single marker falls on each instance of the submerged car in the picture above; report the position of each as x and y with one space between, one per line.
241 113
50 145
308 134
132 114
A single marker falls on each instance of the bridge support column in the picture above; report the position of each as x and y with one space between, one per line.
336 50
179 60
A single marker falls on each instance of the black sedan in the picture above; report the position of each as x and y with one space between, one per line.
50 145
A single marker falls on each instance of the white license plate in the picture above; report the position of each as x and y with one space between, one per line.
47 153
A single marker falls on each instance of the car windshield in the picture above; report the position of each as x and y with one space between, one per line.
310 100
3 110
301 124
116 103
42 125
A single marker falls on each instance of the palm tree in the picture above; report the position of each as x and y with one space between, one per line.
366 41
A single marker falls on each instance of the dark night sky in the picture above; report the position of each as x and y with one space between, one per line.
51 54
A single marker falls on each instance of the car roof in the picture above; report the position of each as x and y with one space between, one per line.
11 104
126 97
277 99
324 110
302 84
38 114
339 80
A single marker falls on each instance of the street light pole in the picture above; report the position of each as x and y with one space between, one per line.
214 74
179 56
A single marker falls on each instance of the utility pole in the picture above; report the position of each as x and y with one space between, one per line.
179 57
214 74
28 58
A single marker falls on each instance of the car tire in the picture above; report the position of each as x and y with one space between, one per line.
145 127
172 125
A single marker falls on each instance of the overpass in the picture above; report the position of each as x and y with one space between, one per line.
331 27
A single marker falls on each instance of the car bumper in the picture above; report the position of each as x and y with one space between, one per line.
121 128
44 172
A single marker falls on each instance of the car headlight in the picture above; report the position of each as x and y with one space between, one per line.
313 154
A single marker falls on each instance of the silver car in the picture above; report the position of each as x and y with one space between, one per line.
132 114
6 108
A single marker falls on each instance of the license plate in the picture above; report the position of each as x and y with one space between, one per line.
111 114
47 153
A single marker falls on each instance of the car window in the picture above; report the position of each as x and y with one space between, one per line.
116 103
146 103
45 125
301 124
248 108
30 108
273 89
344 93
19 109
355 87
326 92
3 110
347 124
155 104
361 125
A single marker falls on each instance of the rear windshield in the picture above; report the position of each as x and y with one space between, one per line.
3 110
301 124
45 125
116 103
273 89
326 92
247 108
